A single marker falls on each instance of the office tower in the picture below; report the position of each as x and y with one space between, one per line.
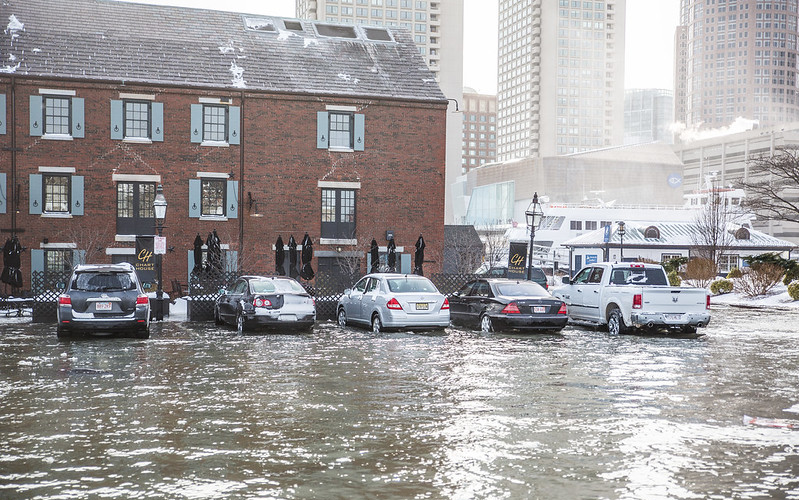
560 86
648 116
479 129
736 58
437 28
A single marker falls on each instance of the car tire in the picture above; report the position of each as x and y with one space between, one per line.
62 333
616 324
341 317
142 333
217 318
486 325
377 325
240 320
689 329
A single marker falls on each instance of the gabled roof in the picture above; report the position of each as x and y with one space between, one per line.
130 42
673 234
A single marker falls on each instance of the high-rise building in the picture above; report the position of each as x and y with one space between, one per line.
560 86
437 28
479 129
736 58
648 115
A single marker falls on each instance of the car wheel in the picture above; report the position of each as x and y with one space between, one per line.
342 317
240 323
62 333
616 324
377 325
217 318
688 329
143 333
486 325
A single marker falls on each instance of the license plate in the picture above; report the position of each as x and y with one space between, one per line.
287 317
102 306
539 309
673 317
422 306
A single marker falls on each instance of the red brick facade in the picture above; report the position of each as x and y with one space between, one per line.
400 171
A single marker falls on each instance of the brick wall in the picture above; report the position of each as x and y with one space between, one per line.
401 172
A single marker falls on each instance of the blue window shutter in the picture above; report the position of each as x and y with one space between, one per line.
191 265
77 195
77 118
405 263
157 124
37 265
359 133
3 196
117 112
194 197
322 130
36 114
232 199
234 129
35 194
2 114
78 257
197 123
231 261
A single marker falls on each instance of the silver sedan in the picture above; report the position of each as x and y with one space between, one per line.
385 300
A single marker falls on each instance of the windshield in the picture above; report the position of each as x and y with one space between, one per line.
521 289
103 282
638 277
272 286
403 285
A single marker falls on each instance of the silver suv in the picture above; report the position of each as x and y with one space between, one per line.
104 299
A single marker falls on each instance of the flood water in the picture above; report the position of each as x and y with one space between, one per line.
198 412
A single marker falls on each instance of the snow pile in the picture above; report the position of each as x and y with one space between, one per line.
778 299
13 29
238 76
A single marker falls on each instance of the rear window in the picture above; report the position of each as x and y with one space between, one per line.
404 285
272 286
538 274
638 277
103 282
521 290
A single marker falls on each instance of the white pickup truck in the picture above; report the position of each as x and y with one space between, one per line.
632 295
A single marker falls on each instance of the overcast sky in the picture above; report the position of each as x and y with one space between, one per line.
649 50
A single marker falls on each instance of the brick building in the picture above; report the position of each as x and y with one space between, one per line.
256 126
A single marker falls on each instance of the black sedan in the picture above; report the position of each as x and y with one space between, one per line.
502 304
259 301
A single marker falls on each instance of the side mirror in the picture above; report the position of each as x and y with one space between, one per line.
566 281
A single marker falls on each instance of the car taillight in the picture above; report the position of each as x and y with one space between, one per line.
511 308
562 309
445 305
142 300
64 300
638 301
707 304
394 304
261 302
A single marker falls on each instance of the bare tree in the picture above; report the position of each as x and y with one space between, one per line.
92 239
495 246
772 185
462 252
710 232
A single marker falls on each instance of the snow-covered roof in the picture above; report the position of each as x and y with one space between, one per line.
675 234
119 41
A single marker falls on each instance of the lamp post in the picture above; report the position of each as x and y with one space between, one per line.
159 207
534 216
621 241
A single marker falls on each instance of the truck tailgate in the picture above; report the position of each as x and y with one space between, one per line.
674 300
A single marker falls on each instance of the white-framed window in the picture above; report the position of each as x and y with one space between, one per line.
56 114
727 262
215 123
213 196
137 118
340 128
55 191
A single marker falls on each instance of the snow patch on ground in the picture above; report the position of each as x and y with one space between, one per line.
778 298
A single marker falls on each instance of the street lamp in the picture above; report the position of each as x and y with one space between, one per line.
159 207
533 214
621 240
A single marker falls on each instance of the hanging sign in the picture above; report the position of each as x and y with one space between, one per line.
517 258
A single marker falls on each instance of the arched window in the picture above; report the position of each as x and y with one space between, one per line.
652 232
742 234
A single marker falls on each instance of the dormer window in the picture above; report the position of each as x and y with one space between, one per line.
652 232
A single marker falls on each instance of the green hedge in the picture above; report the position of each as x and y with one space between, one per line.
721 286
793 290
674 278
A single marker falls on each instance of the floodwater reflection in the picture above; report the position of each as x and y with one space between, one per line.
199 412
